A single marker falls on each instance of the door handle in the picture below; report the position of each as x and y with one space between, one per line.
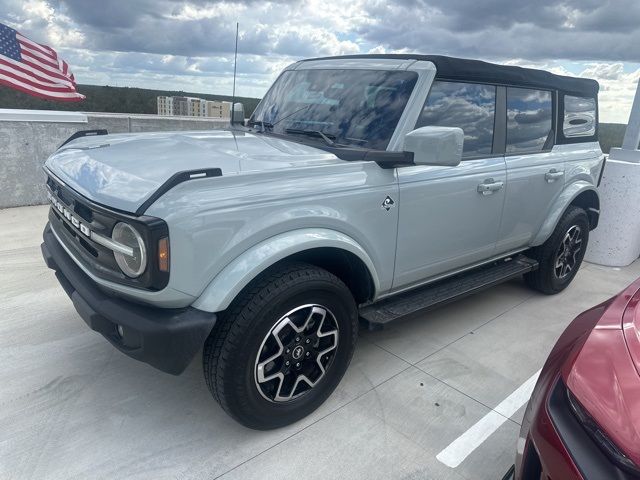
489 186
553 175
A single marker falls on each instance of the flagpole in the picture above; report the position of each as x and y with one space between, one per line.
235 64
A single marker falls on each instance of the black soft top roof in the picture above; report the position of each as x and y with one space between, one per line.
452 68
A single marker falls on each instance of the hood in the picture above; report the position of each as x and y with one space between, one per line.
605 375
631 328
123 170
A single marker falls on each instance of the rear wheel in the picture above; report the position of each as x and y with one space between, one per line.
561 255
282 347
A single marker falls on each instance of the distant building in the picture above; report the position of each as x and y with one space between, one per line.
218 109
193 107
181 106
165 105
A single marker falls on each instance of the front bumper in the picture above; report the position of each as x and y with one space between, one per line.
546 454
166 339
558 446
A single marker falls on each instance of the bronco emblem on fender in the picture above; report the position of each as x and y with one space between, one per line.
388 203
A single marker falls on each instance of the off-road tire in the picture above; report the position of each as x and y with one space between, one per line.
231 350
544 279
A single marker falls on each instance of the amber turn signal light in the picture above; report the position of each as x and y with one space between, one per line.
163 254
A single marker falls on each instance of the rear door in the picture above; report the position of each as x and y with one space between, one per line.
535 173
449 217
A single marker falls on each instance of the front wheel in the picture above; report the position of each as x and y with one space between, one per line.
561 255
282 347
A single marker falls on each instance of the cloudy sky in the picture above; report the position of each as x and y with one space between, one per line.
189 45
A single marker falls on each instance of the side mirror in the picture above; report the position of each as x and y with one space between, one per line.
435 145
237 114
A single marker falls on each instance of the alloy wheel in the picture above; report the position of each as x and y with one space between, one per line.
567 254
296 353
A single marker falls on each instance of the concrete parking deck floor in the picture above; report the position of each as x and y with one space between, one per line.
72 407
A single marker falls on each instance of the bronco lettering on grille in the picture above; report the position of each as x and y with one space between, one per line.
67 214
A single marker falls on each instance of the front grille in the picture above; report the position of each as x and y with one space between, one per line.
65 197
96 258
84 212
74 234
95 218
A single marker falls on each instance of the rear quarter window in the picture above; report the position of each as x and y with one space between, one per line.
579 117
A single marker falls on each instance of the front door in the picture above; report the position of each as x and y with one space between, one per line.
449 217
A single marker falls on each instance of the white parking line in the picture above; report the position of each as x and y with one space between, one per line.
465 444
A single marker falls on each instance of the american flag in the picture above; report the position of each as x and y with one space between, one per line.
34 68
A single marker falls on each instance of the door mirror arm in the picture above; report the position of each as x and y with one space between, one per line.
388 160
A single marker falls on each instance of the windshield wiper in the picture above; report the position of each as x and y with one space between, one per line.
270 126
314 133
262 124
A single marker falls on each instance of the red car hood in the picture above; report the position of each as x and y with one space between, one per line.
605 377
631 329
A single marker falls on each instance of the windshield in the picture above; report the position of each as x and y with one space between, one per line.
358 108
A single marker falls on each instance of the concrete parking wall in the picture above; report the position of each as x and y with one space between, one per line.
27 138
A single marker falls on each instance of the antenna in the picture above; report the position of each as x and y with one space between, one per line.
235 64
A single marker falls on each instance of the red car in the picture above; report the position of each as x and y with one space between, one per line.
583 419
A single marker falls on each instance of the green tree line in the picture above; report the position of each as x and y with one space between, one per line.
110 99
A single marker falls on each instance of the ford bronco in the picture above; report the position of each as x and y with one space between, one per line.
362 189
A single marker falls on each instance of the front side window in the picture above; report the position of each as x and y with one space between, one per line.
469 106
356 108
529 120
579 117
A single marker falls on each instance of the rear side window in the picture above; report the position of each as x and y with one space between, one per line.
529 120
579 117
469 106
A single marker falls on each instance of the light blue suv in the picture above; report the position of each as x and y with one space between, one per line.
362 189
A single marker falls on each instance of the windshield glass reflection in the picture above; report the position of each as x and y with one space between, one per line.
356 108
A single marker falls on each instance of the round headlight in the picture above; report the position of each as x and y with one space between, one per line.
132 265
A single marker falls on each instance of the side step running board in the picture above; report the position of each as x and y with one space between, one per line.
445 291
